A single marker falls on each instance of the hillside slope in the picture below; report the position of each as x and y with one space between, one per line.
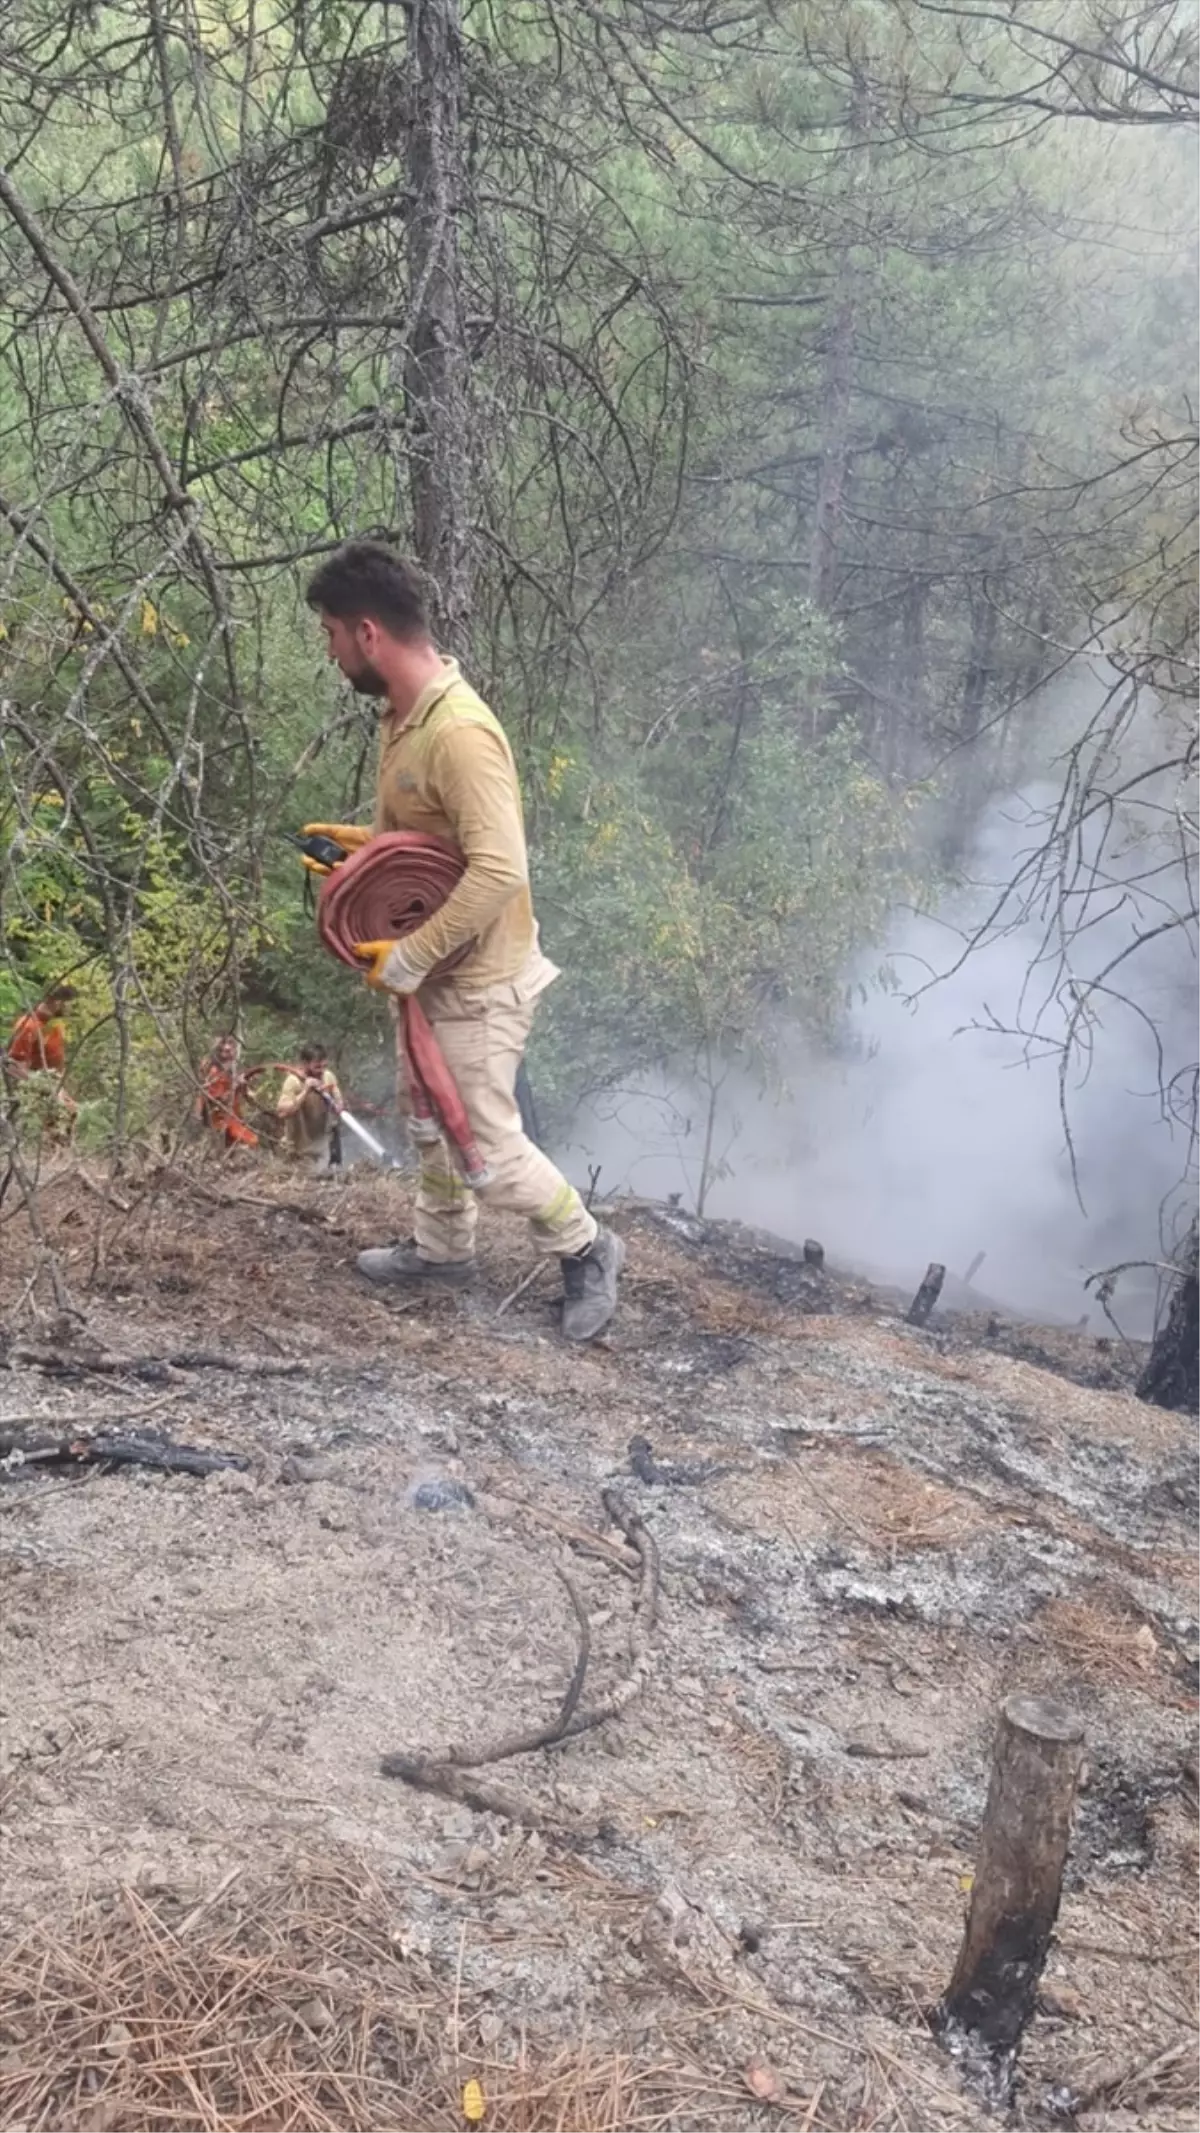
867 1536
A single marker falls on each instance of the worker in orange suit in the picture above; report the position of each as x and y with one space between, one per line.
38 1045
222 1094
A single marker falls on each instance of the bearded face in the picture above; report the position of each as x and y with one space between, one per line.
364 677
348 655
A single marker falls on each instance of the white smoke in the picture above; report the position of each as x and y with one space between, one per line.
939 1134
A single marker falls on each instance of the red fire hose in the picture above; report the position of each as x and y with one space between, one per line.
387 889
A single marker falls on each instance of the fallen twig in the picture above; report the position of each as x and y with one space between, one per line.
1116 2080
500 1506
526 1283
103 1450
485 1797
315 1216
570 1702
105 1193
56 1364
250 1366
432 1772
678 1474
206 1902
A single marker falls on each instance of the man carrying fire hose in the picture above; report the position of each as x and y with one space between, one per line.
446 771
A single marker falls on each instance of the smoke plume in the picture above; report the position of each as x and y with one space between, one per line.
939 1133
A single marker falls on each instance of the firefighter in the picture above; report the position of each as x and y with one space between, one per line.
309 1103
38 1045
446 770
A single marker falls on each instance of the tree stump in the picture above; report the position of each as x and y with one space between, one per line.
927 1295
814 1252
1018 1883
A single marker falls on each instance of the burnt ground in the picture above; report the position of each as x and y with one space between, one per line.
868 1536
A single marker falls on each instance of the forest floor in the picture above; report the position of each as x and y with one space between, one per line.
732 1905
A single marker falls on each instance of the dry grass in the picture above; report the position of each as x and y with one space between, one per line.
1164 2083
1102 1639
868 1496
767 1764
291 2007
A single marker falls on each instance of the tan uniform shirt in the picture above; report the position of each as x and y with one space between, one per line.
295 1090
447 771
308 1117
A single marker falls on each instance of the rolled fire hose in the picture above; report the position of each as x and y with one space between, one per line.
380 893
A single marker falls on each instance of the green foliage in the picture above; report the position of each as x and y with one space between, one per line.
719 291
672 951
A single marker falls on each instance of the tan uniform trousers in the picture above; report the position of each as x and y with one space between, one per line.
483 1035
306 1132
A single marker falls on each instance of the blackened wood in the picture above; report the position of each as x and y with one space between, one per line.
927 1295
112 1450
1171 1377
1018 1883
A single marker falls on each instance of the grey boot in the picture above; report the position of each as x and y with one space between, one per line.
590 1286
403 1263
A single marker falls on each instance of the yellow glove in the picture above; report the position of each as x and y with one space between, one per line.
350 835
389 970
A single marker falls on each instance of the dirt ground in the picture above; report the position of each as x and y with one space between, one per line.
748 1889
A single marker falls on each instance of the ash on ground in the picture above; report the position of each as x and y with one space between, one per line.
869 1535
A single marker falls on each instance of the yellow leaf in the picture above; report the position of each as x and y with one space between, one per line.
181 640
966 1883
149 619
474 2103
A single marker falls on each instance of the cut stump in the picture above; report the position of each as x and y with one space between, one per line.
1018 1884
927 1295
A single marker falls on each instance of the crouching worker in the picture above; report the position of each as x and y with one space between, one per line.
222 1095
38 1048
446 770
309 1103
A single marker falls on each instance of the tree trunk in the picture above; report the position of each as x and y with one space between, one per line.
437 372
1171 1374
980 658
835 441
969 782
837 393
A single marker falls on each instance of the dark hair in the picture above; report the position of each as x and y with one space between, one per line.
309 1052
364 580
